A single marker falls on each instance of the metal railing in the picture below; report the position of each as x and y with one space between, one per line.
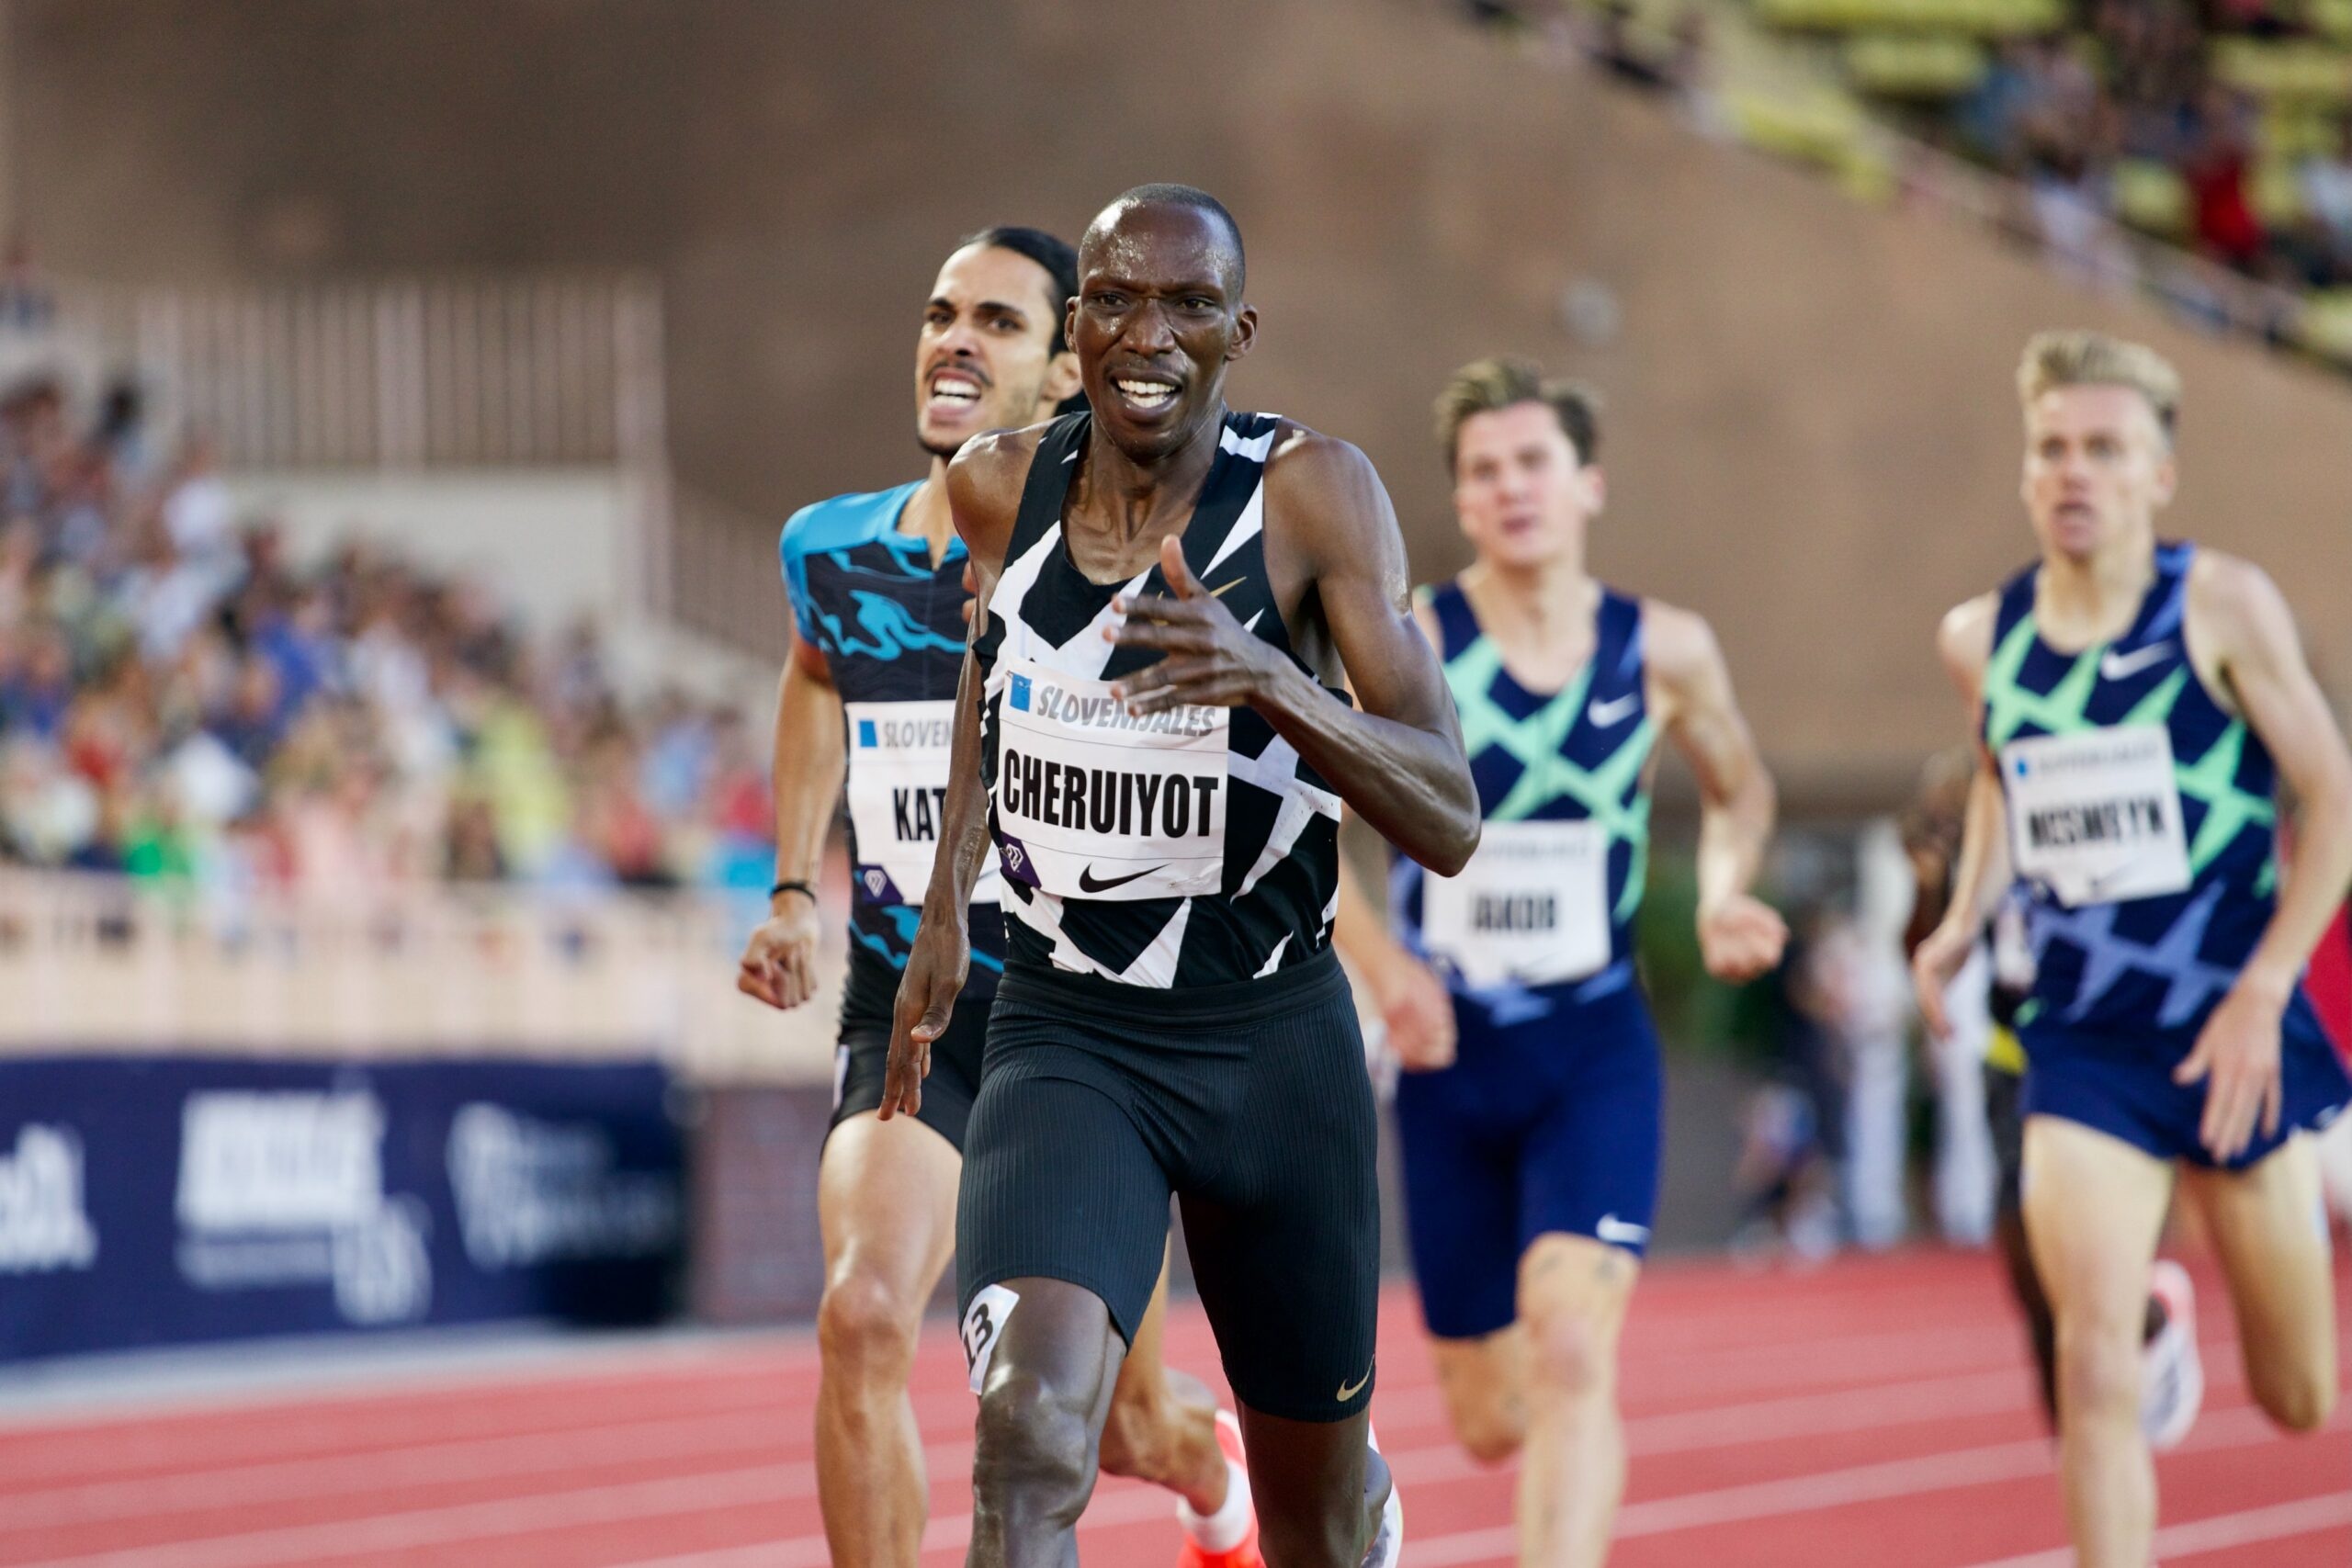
104 964
398 374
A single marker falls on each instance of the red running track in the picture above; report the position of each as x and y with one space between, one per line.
1873 1412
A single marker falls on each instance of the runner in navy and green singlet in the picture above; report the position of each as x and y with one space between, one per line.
1529 1113
2137 704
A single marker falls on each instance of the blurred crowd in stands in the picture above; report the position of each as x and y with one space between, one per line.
2222 127
2123 115
182 701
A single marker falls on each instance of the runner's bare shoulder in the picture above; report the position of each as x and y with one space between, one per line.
1678 645
984 484
1964 640
1332 504
2231 595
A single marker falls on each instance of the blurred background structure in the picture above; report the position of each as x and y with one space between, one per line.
398 401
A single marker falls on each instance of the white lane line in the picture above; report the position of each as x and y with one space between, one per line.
1829 1489
417 1528
1116 1505
2219 1532
1758 1423
378 1470
140 1453
1126 1503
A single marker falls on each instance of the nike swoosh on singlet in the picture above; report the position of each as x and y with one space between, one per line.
1606 714
2114 666
1086 883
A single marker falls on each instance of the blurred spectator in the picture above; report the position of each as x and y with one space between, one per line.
1794 1130
1853 994
2325 180
1964 1168
26 302
2215 169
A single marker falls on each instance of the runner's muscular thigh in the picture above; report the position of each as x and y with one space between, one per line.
2268 1227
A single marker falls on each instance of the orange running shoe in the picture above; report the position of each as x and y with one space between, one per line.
1244 1552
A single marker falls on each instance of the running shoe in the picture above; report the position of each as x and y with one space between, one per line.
2172 1375
1388 1547
1243 1553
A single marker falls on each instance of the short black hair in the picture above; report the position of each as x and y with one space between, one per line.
1168 195
1053 252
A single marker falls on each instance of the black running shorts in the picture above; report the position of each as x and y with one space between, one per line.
1250 1103
862 1061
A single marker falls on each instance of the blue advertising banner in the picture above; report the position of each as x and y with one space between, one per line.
151 1201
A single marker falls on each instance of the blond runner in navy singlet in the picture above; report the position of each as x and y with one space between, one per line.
2136 704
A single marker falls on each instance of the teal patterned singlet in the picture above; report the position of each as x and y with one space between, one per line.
1580 753
2161 961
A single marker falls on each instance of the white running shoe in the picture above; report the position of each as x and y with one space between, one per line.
1388 1547
2172 1374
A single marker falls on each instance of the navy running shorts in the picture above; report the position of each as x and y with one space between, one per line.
1549 1122
2122 1085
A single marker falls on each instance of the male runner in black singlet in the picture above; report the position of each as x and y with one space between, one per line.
1168 593
875 584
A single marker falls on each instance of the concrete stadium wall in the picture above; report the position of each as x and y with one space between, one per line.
1811 437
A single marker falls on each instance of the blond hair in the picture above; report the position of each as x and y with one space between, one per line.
1506 381
2094 359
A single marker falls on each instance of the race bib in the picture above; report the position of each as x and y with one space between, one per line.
2096 817
1532 906
1092 803
897 790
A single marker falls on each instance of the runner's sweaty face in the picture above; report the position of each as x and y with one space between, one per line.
1521 494
985 358
1156 320
2097 468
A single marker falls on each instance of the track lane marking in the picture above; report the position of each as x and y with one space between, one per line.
2219 1532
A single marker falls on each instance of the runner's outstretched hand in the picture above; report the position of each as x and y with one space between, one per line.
1419 1015
927 993
2237 1056
1212 659
779 965
1741 937
1935 964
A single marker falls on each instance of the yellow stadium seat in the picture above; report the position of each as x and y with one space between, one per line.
1815 127
1913 65
2330 18
1975 18
2310 72
2150 197
2297 130
2277 195
2325 324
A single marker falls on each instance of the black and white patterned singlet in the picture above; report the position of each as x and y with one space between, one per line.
1178 849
